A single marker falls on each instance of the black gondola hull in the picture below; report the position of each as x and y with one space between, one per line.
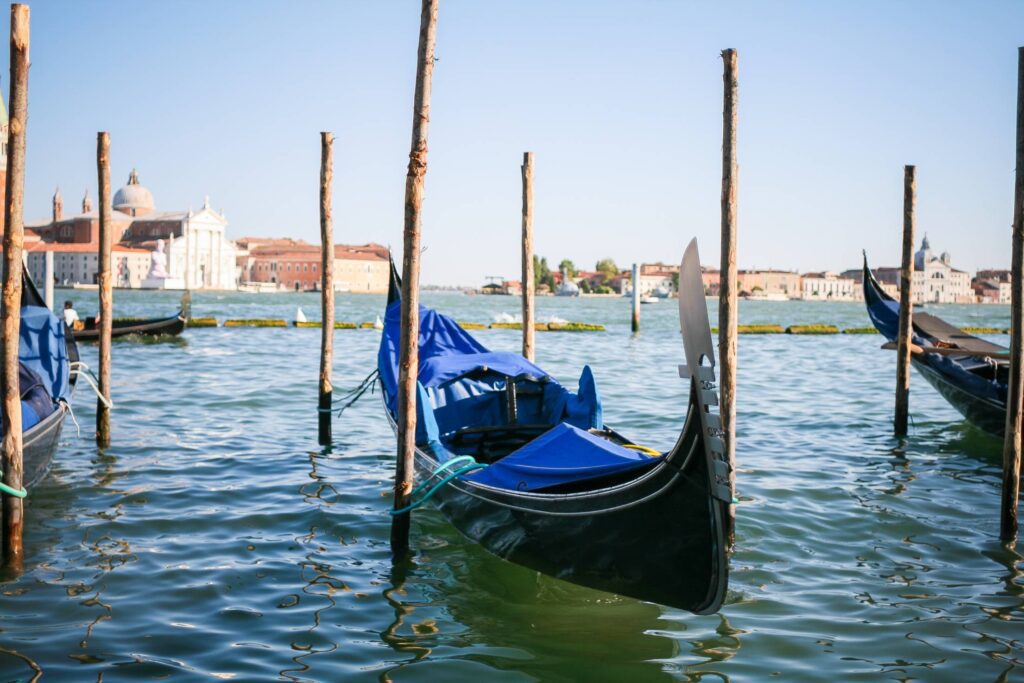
657 538
153 328
985 414
40 445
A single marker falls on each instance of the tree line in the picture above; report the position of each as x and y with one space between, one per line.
606 269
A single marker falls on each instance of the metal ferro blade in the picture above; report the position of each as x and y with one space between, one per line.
693 316
700 368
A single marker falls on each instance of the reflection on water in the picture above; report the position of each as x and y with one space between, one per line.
215 539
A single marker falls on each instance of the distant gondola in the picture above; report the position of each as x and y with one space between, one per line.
45 356
152 327
969 372
548 485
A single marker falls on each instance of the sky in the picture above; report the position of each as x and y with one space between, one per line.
621 103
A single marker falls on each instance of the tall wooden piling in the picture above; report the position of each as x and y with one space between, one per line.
635 283
326 285
1015 392
10 307
528 313
106 293
728 305
906 303
408 365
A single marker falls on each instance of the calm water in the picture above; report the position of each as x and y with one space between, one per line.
216 540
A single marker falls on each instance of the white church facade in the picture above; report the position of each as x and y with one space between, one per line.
937 281
196 251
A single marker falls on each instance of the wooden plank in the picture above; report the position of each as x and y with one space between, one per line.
943 351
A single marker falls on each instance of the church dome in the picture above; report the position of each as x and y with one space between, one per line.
133 199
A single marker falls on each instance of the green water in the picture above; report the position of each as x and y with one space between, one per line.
216 540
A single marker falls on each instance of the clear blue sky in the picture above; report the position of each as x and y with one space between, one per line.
620 101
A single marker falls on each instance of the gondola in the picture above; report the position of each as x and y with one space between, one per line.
971 373
46 355
535 476
151 327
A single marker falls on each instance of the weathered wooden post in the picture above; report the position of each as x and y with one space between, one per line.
48 275
906 303
106 294
10 308
528 313
635 283
728 306
326 285
1012 440
408 364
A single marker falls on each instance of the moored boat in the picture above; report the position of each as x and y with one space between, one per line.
46 379
152 327
971 373
529 470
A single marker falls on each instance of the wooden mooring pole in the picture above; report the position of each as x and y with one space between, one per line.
10 308
636 298
906 303
728 305
408 364
326 286
48 275
528 313
106 293
1015 392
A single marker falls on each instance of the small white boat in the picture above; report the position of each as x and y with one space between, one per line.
649 299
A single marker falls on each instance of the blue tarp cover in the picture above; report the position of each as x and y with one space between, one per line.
561 455
43 349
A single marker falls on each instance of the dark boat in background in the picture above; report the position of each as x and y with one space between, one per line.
548 485
971 373
153 327
46 355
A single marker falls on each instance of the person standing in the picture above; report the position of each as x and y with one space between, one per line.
70 314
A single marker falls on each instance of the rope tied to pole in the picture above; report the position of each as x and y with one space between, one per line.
82 370
472 466
355 394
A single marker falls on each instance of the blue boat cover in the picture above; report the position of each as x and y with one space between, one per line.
462 384
560 455
43 349
44 368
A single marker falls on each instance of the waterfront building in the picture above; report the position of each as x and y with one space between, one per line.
712 279
771 282
79 264
936 280
295 265
826 286
198 254
992 286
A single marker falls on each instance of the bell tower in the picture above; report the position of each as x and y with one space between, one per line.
86 202
58 206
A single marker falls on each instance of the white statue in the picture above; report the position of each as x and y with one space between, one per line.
158 263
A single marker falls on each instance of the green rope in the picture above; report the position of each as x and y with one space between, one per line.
13 492
474 465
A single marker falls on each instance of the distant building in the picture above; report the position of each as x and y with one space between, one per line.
826 286
936 280
712 279
992 286
199 256
295 265
770 282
